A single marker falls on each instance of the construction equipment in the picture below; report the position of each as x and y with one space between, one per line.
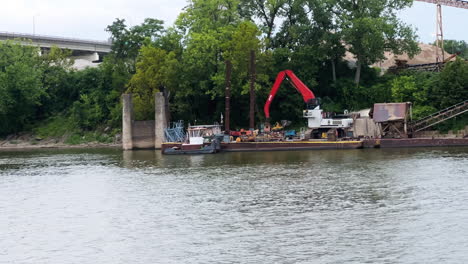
277 127
392 119
307 95
431 67
440 116
175 133
316 119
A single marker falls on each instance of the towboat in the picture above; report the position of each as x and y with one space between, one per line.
203 139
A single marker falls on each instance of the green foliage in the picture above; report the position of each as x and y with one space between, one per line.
63 127
58 81
97 101
429 91
126 42
59 58
156 70
20 86
87 112
371 27
188 62
403 88
452 85
420 111
268 12
55 127
456 46
86 137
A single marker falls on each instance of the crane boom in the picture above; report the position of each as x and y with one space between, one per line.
452 3
306 93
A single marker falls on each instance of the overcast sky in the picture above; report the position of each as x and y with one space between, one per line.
88 18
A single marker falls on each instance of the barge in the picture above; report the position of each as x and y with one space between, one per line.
419 142
319 145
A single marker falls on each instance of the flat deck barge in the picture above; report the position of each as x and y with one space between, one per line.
290 145
276 145
316 145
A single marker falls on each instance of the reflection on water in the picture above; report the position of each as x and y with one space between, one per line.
349 206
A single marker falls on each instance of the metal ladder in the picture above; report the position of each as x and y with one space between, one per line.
439 116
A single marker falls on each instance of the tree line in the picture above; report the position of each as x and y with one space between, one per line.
186 60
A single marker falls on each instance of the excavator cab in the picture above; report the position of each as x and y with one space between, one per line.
313 103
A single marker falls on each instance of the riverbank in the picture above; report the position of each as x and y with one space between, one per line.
26 146
25 142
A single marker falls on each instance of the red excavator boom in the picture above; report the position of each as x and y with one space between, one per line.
307 94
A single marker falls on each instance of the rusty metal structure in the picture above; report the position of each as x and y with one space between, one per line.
439 29
452 3
392 119
439 36
440 116
432 67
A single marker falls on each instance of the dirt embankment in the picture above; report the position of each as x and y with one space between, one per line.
29 141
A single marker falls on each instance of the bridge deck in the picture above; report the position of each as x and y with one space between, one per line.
64 43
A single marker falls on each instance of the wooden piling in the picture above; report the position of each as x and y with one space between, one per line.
228 97
252 90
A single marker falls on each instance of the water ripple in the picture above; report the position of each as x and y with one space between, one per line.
108 206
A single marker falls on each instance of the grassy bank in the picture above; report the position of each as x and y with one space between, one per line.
61 131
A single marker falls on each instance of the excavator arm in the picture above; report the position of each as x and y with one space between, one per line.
306 93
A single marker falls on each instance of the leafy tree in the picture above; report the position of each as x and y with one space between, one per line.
267 11
88 112
187 61
156 70
329 42
20 85
207 27
371 27
96 101
126 42
57 79
403 89
57 57
456 46
452 85
202 15
244 39
119 66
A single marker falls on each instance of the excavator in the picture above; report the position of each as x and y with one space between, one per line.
317 121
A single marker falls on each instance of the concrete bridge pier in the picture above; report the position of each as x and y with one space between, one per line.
127 122
148 134
160 119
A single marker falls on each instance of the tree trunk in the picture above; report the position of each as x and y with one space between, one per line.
333 70
357 77
227 111
167 109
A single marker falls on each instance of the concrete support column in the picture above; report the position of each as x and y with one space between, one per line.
159 119
127 120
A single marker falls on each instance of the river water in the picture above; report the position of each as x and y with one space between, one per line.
349 206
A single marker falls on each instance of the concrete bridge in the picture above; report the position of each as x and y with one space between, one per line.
85 52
